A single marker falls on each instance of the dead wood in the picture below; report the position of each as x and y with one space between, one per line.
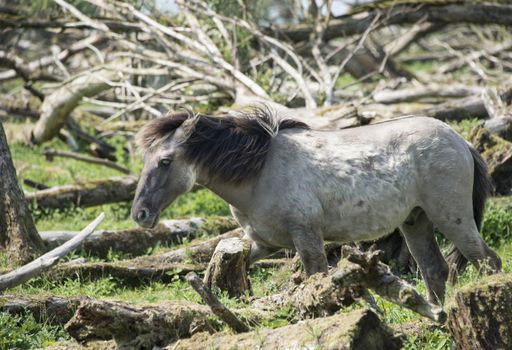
161 267
32 68
457 110
425 92
137 327
200 252
215 305
480 316
477 13
137 241
366 270
19 108
112 190
50 154
497 153
130 272
359 329
501 126
322 295
54 310
49 259
57 106
228 267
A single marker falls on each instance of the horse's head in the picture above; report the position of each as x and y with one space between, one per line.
166 173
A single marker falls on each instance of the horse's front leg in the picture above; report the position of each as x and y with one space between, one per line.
259 251
310 246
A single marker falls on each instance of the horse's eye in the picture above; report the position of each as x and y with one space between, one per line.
164 162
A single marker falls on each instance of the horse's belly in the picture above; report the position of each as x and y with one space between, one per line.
362 221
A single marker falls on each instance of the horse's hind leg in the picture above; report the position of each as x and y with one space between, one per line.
463 233
418 231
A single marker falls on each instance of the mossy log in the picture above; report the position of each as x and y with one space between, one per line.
52 310
321 295
161 267
360 329
130 272
137 327
497 153
228 267
137 241
112 190
480 318
200 252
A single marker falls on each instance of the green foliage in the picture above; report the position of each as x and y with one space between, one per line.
23 332
465 126
497 224
429 338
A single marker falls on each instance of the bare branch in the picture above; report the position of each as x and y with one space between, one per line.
49 259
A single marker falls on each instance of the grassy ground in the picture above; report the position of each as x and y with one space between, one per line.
24 332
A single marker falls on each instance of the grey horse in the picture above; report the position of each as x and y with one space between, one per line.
293 187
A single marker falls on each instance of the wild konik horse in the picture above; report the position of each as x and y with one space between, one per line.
293 187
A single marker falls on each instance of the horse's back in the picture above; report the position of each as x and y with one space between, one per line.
354 184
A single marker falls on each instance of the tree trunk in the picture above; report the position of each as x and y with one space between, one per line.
137 327
228 267
111 190
18 234
359 329
481 317
137 241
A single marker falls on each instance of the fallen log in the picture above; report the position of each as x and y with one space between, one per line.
323 295
88 194
57 106
497 153
161 267
47 260
137 241
457 110
125 271
478 13
228 267
52 310
138 327
50 154
480 316
429 91
359 329
199 253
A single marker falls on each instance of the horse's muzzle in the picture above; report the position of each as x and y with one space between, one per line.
145 218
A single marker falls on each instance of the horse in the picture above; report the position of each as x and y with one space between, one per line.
290 186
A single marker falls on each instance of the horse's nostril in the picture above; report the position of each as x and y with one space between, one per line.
142 214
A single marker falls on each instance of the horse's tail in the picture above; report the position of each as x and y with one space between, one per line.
482 186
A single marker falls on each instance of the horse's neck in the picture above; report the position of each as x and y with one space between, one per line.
238 196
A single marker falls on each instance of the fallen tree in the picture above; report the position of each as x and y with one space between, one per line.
57 106
478 13
137 241
54 310
138 327
359 329
87 194
50 154
112 190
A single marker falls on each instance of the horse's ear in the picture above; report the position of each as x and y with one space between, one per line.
186 129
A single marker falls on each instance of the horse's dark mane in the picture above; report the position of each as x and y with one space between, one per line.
231 148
